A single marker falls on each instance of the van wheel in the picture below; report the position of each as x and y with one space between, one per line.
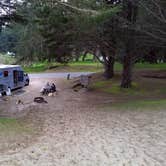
27 82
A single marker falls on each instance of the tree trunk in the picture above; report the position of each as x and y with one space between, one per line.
49 59
84 56
109 68
130 8
94 58
164 58
127 72
77 58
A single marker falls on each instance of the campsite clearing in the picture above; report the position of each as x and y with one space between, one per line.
81 128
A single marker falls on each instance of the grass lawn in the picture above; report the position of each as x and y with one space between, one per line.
11 125
140 104
146 93
85 67
136 105
15 134
140 86
71 67
147 66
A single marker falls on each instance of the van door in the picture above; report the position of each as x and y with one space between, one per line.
15 77
18 77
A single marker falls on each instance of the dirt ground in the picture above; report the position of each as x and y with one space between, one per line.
71 130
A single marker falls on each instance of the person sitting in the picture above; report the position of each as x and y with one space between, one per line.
46 89
53 88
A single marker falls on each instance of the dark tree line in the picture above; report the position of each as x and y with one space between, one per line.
127 31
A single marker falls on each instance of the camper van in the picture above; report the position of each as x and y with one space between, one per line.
11 77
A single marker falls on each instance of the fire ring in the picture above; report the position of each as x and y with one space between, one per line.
40 100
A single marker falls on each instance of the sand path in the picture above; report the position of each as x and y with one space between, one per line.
77 133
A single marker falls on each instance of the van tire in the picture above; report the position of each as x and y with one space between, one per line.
27 82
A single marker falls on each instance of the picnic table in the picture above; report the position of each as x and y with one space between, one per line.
85 80
82 82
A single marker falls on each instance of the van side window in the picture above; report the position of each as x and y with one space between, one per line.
5 73
1 87
20 75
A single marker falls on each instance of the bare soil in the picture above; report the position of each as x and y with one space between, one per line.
72 130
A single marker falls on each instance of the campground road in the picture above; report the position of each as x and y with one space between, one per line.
58 75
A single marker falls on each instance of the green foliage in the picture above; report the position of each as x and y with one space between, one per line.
8 40
29 47
106 14
6 59
60 31
55 27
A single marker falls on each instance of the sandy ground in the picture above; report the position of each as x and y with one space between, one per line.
74 132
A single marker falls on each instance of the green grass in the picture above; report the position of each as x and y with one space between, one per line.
89 57
119 67
37 69
141 105
141 87
113 87
160 66
71 67
85 67
116 89
40 67
10 125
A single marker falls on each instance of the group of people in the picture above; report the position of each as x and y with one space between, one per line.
48 88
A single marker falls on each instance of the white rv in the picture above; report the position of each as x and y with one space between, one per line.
11 77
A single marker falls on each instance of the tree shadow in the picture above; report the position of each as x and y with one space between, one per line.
18 91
